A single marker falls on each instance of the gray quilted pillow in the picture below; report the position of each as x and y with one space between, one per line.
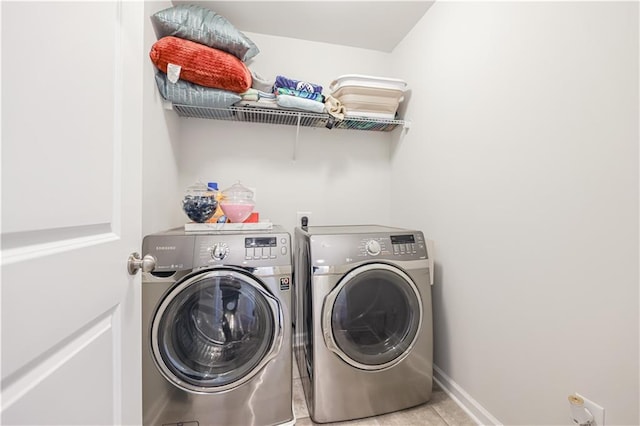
186 93
204 26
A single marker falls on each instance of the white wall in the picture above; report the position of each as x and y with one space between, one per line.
522 165
161 191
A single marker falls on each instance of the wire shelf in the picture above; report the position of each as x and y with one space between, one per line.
286 117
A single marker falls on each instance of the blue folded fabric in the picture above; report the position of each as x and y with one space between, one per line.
290 83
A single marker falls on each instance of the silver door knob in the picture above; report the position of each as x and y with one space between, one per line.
147 263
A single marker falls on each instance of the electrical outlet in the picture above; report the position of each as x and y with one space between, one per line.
596 411
301 215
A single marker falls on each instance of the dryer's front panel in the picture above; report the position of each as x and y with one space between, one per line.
215 330
372 317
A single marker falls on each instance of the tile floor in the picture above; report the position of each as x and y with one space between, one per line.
441 410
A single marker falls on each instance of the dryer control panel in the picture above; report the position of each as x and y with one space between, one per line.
406 246
407 243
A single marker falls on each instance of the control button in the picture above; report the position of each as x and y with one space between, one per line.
257 252
265 252
396 250
413 248
248 253
219 251
283 240
272 253
373 247
283 250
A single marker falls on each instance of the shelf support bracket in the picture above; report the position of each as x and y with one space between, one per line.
295 143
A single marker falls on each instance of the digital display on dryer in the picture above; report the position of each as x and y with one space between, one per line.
403 239
260 242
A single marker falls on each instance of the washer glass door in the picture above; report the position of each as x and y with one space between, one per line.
372 318
215 330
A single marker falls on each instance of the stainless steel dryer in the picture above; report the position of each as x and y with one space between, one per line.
216 329
364 341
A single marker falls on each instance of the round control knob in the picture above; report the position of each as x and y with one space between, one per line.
373 247
219 251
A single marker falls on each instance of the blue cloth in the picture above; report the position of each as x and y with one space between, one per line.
290 83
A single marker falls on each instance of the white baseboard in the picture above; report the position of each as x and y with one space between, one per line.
476 411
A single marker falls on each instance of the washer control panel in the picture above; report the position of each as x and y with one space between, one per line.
264 248
172 253
242 249
175 250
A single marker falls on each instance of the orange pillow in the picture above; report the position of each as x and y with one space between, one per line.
201 64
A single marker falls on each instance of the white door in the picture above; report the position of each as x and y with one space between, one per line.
71 187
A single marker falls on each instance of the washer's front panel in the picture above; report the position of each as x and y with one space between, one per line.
263 399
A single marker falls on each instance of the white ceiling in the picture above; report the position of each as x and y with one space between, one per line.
377 25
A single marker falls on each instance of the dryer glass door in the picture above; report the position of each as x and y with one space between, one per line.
216 330
372 318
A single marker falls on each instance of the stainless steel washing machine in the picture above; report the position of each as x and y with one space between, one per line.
216 329
364 339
